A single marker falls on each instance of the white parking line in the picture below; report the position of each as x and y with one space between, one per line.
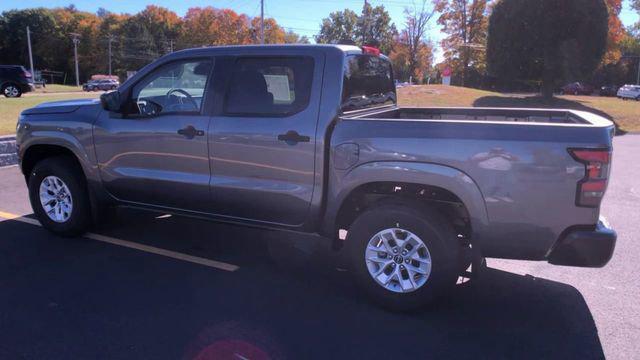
132 245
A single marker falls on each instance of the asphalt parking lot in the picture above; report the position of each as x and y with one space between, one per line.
159 287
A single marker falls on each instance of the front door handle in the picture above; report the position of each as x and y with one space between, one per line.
292 137
190 132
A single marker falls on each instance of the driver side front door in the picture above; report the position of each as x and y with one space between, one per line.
158 155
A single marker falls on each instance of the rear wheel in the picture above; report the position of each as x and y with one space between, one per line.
403 256
11 91
59 196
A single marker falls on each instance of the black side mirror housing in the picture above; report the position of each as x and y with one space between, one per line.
110 101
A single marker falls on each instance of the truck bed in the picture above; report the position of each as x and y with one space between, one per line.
491 115
517 158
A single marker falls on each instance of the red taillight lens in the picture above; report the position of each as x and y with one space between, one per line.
370 50
592 187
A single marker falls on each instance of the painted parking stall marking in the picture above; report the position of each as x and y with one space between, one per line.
132 245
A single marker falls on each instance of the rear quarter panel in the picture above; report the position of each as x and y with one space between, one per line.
523 172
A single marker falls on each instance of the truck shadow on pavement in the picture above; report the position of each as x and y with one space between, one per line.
540 102
65 298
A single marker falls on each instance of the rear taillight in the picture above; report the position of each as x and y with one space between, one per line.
26 74
592 187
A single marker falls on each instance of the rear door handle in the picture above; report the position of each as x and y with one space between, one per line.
190 132
292 137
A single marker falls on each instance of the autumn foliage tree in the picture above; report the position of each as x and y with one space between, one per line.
554 41
372 26
135 39
465 24
413 53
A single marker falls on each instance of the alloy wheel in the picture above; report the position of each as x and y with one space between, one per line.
56 199
398 260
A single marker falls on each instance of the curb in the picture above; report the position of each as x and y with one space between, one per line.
8 155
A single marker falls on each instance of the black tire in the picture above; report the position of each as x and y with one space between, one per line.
436 233
11 90
69 172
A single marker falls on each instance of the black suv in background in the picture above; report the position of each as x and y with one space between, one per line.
15 80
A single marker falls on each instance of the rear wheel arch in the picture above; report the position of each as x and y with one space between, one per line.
451 185
373 194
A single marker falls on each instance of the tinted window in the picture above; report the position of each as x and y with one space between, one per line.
175 87
269 86
368 82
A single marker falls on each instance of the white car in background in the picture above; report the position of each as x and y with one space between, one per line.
629 92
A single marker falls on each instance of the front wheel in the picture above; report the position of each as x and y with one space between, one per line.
403 256
59 196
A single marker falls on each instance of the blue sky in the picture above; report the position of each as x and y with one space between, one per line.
301 16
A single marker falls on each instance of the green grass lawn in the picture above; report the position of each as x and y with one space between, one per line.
55 88
626 114
11 108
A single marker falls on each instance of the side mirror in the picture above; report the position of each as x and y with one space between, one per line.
111 101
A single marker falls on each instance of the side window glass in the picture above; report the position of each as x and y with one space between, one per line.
177 87
269 86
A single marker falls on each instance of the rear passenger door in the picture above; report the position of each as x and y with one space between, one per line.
262 141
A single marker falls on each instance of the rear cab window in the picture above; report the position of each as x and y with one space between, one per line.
367 82
269 86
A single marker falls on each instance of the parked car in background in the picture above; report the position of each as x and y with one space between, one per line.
15 80
608 90
629 92
577 88
102 84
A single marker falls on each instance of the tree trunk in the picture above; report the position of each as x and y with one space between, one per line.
548 79
547 88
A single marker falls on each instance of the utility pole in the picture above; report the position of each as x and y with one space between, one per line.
171 45
30 54
76 40
364 25
261 21
110 39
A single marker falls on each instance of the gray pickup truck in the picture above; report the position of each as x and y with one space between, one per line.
310 139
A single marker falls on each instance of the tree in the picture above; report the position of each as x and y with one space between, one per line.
211 26
413 37
375 27
615 34
273 33
401 59
372 26
13 42
549 40
135 39
340 26
465 23
291 37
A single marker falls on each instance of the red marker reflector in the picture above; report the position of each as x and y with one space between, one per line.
370 50
601 156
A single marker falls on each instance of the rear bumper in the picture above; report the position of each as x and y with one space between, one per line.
585 248
28 87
